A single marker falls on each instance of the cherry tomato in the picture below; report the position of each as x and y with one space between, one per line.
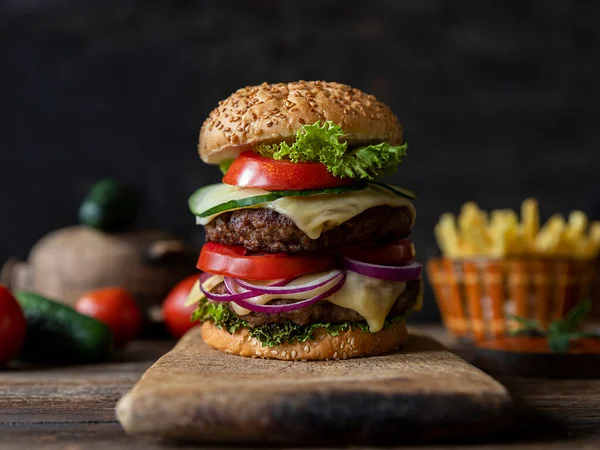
252 170
389 254
12 326
177 315
116 308
231 260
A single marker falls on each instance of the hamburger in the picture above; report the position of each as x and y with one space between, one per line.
307 254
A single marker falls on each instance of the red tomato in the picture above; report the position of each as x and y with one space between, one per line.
116 308
231 260
12 326
252 170
390 254
177 315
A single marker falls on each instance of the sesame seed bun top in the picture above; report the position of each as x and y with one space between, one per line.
271 113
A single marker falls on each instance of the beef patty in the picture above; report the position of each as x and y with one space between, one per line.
264 230
324 311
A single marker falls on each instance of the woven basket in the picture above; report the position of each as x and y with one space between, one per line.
477 298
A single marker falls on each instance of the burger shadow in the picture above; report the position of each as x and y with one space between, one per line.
138 355
419 343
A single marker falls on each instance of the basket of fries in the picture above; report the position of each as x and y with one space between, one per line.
497 267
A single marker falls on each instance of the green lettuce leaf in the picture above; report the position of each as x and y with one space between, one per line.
274 334
218 313
321 143
225 165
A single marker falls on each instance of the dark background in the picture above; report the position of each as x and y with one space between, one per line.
499 100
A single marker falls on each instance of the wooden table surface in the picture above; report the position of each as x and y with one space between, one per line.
73 407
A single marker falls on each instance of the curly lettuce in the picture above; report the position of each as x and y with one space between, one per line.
323 143
275 334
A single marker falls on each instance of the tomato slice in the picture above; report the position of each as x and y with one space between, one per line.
232 261
252 170
390 254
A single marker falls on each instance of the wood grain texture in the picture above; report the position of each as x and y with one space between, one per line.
421 392
74 407
30 396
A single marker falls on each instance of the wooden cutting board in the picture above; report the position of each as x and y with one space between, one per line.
421 392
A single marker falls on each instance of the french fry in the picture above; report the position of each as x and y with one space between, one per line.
500 241
593 241
517 244
470 215
473 227
473 234
577 225
549 237
503 225
447 236
496 219
530 219
574 238
478 240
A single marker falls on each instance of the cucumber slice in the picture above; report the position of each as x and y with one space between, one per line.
269 196
358 186
237 204
399 191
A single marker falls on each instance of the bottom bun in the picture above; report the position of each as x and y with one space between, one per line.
348 344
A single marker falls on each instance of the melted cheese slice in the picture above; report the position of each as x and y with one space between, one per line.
196 294
312 214
371 298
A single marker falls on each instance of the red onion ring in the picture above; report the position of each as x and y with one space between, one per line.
282 282
204 276
228 281
277 309
408 272
273 289
228 297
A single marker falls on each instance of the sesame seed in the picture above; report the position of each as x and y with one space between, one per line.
284 353
342 345
274 352
306 348
253 344
306 99
352 341
335 355
322 336
294 353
